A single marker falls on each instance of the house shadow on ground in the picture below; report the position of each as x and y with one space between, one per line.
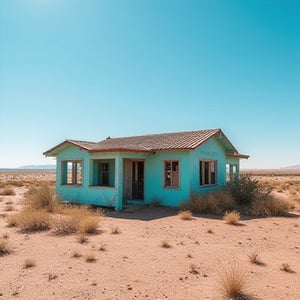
142 213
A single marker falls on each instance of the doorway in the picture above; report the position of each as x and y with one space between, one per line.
137 180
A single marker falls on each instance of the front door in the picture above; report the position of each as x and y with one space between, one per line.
137 180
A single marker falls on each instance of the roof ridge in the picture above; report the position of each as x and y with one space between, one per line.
163 133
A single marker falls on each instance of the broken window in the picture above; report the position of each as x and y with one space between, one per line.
72 172
208 172
103 172
171 173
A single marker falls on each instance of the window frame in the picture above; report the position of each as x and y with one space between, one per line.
73 171
203 176
171 186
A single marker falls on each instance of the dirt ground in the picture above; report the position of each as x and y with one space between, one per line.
133 265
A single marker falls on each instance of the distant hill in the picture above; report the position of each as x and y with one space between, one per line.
292 167
37 167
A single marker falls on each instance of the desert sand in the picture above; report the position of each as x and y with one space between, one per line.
134 265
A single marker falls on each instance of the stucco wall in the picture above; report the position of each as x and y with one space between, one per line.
153 175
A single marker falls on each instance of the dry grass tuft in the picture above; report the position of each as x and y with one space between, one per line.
185 215
253 258
7 192
76 254
194 269
82 238
29 263
232 218
271 206
33 220
233 284
165 244
91 257
286 268
5 235
12 220
4 248
102 248
215 202
89 224
42 197
209 230
115 230
9 207
64 224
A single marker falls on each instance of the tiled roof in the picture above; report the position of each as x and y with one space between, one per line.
155 142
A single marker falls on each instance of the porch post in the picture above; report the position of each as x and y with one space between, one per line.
119 182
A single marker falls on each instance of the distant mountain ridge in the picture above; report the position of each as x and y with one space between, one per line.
37 167
292 167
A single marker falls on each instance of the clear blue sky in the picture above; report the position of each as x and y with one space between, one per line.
90 69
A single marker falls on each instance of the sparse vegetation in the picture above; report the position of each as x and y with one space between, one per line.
215 202
165 244
194 269
115 230
33 220
63 224
232 218
233 284
185 215
91 257
82 238
209 230
42 198
12 220
7 192
89 224
286 268
29 263
102 248
76 254
4 247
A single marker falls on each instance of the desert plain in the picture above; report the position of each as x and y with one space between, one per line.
150 252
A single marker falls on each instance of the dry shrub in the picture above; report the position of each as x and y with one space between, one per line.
4 248
286 268
270 206
33 220
12 220
165 244
89 224
115 230
29 263
76 254
7 192
215 202
82 238
91 257
65 224
232 218
42 197
233 283
185 215
194 269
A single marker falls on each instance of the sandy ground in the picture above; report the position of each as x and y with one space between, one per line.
135 266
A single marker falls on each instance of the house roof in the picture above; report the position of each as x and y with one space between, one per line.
151 143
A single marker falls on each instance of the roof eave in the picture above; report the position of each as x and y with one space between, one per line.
52 152
237 155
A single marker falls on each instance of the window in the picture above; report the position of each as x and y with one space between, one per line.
103 172
208 171
104 177
72 172
171 173
231 172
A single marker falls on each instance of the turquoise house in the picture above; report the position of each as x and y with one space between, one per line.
165 167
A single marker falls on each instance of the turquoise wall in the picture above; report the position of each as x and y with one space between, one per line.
154 188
